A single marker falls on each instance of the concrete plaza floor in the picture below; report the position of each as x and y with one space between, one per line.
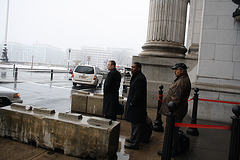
211 144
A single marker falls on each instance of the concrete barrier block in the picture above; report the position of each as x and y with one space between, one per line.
99 122
84 138
98 94
70 116
94 105
20 106
43 110
83 92
79 102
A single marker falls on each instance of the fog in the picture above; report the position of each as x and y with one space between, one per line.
76 23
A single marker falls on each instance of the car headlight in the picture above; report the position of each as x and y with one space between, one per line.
16 95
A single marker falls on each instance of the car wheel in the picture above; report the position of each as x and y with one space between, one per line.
5 102
100 85
96 84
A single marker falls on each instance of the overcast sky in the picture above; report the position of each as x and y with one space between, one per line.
76 23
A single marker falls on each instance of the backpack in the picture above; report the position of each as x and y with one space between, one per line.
183 142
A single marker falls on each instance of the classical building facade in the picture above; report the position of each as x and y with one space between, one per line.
98 56
212 52
36 53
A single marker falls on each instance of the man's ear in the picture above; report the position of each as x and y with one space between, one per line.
182 71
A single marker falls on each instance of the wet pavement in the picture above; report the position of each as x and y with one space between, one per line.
211 144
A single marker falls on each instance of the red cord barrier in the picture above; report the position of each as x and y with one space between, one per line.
159 97
201 126
209 100
190 99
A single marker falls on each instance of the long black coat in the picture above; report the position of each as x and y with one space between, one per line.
111 94
137 99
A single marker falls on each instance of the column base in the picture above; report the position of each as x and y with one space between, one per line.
193 51
158 71
163 49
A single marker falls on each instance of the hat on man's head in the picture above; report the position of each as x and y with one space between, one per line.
179 65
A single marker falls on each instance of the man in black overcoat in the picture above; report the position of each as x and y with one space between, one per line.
136 105
110 90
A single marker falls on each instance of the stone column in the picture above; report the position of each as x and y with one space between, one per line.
164 46
166 29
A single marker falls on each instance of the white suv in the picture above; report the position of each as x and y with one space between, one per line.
87 75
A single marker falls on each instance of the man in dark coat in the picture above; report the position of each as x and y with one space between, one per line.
178 93
110 90
136 105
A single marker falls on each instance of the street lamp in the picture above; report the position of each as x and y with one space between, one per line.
69 51
4 57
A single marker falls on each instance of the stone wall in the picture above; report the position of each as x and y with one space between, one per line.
218 77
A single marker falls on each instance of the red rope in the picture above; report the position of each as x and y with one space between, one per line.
201 126
217 101
209 100
190 99
159 97
160 100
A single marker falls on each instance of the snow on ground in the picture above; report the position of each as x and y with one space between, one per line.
35 67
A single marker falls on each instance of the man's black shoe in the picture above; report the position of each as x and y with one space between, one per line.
158 128
128 140
160 154
131 146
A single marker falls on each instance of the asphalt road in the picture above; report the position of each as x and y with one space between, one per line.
37 90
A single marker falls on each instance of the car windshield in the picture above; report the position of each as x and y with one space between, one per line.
84 69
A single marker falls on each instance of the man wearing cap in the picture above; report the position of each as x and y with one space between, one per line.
179 93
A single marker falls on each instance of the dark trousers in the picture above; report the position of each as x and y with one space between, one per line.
114 118
175 137
136 134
